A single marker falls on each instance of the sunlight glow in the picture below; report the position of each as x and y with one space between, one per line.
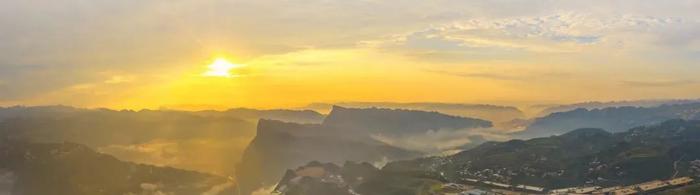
221 68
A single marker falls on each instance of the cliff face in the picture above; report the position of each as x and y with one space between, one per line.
280 146
345 135
494 113
397 121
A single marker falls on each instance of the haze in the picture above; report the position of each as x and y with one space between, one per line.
156 54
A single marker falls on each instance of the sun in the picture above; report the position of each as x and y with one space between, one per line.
220 68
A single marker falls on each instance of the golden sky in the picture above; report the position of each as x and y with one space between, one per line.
196 54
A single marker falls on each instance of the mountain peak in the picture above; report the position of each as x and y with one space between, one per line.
392 121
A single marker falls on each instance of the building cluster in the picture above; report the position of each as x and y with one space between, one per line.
646 187
489 188
494 185
575 190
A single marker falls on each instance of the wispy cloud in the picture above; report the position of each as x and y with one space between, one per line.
438 141
23 81
560 32
505 75
217 189
657 83
479 75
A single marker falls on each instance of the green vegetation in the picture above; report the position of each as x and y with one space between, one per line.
583 156
689 190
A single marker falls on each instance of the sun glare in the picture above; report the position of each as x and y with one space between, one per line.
221 68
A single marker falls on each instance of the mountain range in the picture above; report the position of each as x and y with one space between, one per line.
582 157
614 119
549 109
345 135
74 169
398 150
208 141
495 113
579 157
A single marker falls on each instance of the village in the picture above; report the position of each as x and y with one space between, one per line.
480 187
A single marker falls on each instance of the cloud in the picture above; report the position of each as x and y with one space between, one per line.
485 33
119 79
28 82
152 189
204 155
505 75
264 191
157 152
23 81
438 141
217 189
657 83
554 33
481 75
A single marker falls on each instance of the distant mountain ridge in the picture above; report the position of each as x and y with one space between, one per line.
345 135
489 112
600 105
299 116
397 121
614 119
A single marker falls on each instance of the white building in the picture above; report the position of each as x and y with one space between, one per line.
531 188
652 185
680 181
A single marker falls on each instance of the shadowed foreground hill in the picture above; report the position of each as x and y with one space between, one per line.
73 169
346 134
351 179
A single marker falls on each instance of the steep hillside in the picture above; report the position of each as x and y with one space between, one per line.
280 146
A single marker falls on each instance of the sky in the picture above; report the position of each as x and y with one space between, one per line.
133 54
